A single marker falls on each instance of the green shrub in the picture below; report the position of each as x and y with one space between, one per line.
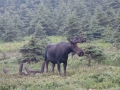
94 53
112 59
33 51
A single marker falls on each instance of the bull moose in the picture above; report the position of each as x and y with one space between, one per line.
58 53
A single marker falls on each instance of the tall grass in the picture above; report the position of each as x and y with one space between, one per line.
56 39
11 46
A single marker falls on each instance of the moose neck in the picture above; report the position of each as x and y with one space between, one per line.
68 49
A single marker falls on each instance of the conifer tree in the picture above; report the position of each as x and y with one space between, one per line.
98 23
94 53
117 28
39 32
72 28
33 51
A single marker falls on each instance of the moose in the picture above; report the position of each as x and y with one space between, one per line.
58 53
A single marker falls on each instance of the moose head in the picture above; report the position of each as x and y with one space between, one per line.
74 47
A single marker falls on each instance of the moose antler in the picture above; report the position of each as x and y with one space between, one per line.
78 39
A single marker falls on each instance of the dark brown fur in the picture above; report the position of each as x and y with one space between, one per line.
57 54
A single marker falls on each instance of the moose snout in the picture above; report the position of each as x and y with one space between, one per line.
81 54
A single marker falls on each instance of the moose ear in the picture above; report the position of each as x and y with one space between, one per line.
70 41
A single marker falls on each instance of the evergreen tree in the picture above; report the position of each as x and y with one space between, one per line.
72 28
108 35
85 26
109 32
11 32
101 17
117 28
96 30
98 24
94 53
33 51
44 17
81 9
2 26
39 32
60 16
9 35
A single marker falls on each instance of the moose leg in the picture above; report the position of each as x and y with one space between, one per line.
64 66
53 66
43 66
58 66
47 62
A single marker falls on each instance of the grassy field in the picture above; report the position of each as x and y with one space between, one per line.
79 76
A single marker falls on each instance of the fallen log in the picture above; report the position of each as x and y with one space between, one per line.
32 71
23 73
28 71
20 68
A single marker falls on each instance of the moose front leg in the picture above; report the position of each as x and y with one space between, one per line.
64 67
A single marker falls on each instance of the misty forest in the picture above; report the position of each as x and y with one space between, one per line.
27 26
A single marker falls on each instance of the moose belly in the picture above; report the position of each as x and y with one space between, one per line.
63 60
56 60
53 59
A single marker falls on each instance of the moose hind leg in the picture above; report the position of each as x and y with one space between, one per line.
47 62
58 66
53 66
43 66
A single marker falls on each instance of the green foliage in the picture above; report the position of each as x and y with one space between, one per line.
10 35
72 27
95 53
108 35
43 20
39 32
113 59
96 27
105 80
33 50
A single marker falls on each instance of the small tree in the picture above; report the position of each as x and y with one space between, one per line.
95 53
33 51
